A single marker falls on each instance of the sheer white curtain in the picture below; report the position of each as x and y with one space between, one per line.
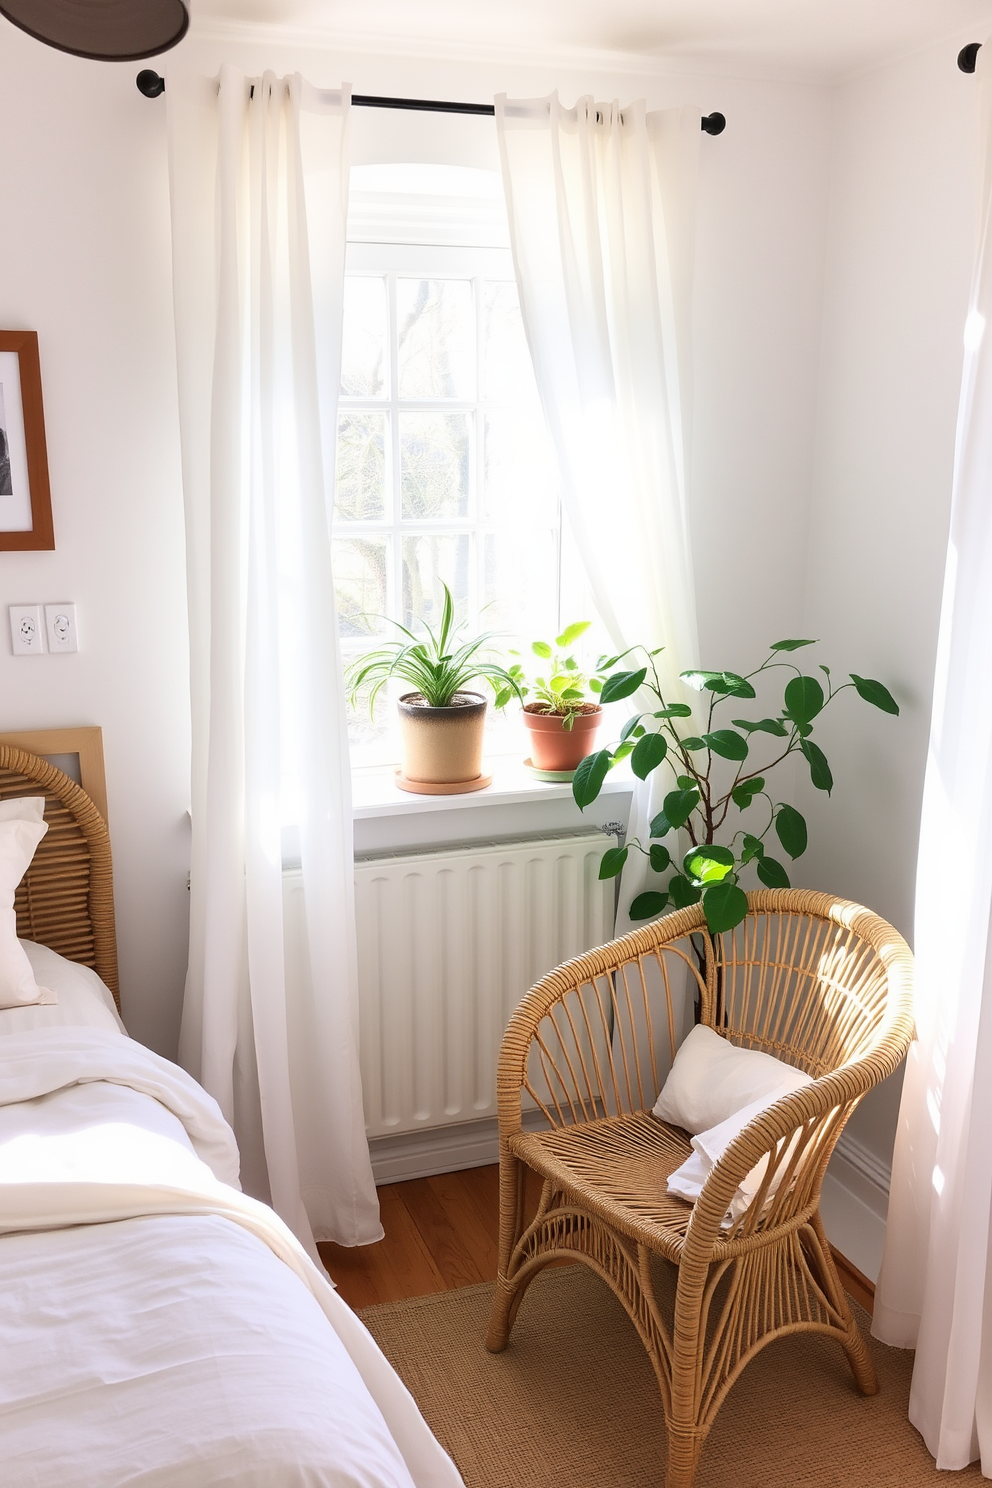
935 1288
601 202
259 175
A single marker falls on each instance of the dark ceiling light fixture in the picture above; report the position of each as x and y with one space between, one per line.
103 30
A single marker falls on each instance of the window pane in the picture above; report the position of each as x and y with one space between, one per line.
427 561
435 327
360 586
434 464
360 490
520 588
507 372
521 477
363 351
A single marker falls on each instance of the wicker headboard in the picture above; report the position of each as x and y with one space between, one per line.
66 898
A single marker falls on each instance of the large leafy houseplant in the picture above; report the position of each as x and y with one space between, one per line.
713 803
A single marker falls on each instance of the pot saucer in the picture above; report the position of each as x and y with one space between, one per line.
432 788
549 775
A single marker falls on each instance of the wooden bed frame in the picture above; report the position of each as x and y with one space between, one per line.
66 898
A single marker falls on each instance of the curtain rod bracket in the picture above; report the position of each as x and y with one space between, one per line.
713 123
968 56
150 83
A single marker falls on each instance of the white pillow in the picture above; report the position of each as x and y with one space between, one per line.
19 836
22 808
84 1001
709 1146
710 1080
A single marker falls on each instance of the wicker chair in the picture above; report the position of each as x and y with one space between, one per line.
820 983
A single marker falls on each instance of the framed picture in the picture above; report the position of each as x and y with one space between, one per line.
25 495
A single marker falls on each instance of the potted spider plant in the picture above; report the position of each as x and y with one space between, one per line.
563 715
441 720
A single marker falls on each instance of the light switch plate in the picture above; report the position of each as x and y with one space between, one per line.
26 635
60 623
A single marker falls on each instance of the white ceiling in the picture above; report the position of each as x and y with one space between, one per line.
826 38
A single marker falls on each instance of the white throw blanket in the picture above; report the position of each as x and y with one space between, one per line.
71 1174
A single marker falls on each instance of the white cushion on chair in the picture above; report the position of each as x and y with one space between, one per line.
710 1080
709 1146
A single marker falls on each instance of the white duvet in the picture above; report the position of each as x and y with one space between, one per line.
160 1328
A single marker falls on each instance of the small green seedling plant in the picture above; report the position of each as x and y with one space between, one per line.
436 664
715 805
563 689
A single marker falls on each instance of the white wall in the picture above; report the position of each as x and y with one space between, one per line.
903 202
84 261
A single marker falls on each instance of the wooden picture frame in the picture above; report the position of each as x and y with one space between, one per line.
25 493
76 751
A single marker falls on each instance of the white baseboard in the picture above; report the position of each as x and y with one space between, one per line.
854 1204
855 1190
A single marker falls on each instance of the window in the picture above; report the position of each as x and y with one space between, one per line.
445 470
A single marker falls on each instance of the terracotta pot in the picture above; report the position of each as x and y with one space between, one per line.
553 747
442 746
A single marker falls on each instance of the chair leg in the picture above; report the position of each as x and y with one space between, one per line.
853 1344
685 1445
507 1294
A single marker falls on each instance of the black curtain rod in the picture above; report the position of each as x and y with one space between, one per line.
151 84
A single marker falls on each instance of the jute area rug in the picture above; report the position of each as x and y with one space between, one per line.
573 1400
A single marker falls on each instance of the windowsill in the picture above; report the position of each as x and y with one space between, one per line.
375 793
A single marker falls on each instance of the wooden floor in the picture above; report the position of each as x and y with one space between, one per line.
442 1233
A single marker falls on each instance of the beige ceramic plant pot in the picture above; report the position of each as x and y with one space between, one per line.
442 746
553 747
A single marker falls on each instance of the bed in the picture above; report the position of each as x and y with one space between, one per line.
157 1326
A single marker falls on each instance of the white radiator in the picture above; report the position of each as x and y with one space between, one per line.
448 943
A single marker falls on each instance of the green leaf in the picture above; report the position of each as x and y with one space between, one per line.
790 825
772 874
504 696
541 648
685 782
803 698
876 693
692 742
724 905
675 710
762 726
678 806
572 695
571 633
789 645
621 685
612 862
622 751
660 825
682 892
708 864
648 754
661 858
727 744
595 685
571 664
743 794
587 782
736 686
646 905
819 770
753 848
699 680
629 727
